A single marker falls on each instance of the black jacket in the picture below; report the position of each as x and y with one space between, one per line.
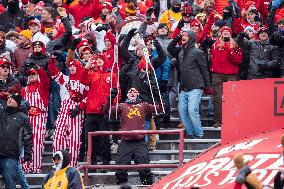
261 52
15 133
12 18
276 39
192 64
62 42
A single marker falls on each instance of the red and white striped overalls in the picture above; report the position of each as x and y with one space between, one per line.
38 122
68 130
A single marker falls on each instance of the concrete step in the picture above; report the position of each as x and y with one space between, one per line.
108 178
209 133
205 122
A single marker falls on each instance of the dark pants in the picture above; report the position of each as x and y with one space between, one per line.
53 105
101 144
133 150
217 83
8 170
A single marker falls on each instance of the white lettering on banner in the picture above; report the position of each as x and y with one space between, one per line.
263 158
278 165
240 146
221 171
229 178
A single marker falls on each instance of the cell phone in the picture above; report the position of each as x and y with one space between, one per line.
226 39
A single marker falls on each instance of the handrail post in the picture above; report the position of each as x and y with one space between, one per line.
181 146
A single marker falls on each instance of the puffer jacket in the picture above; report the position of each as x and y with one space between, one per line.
192 64
15 133
261 52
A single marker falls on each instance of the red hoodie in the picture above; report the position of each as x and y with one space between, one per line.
225 60
99 83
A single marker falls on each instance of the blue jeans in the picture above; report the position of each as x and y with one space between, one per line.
8 170
22 178
147 127
54 104
189 111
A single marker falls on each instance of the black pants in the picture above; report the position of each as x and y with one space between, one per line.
133 150
101 144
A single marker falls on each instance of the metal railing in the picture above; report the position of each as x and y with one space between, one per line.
88 167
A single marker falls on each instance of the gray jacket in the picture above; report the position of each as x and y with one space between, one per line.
261 52
192 64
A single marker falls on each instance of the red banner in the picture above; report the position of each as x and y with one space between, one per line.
215 169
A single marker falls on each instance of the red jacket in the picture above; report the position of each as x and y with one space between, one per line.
79 11
225 60
99 84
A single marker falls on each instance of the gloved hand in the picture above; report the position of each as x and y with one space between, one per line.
74 44
262 67
132 32
180 24
178 38
103 27
74 112
113 93
244 35
27 157
208 91
57 53
156 43
163 86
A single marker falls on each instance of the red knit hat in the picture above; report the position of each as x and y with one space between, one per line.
74 62
226 28
186 10
60 29
4 61
102 56
83 46
142 65
107 5
195 22
31 71
248 4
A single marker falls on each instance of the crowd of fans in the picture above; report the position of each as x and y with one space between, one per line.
63 62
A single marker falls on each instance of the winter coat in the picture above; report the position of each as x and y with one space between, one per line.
41 60
162 72
62 42
80 10
64 178
192 64
99 83
276 39
261 52
15 133
11 21
21 54
225 60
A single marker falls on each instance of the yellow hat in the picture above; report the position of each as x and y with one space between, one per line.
27 33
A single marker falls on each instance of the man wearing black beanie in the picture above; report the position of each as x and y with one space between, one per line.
15 133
